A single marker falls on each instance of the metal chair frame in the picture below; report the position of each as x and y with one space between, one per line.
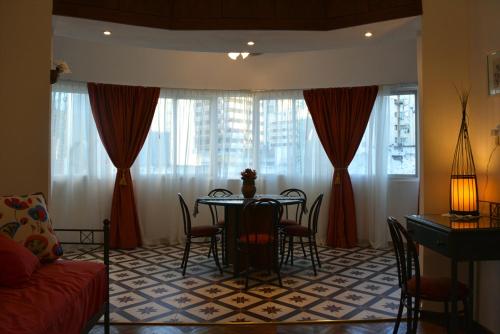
219 192
312 226
244 242
295 212
409 267
186 217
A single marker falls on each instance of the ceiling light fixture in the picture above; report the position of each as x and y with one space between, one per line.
251 43
368 34
106 33
236 55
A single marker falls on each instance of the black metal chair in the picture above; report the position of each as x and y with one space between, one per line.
218 221
197 232
258 235
308 232
292 214
415 287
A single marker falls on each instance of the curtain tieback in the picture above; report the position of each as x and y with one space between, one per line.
123 180
337 177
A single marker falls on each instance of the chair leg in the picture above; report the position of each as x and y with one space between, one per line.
316 251
290 250
283 241
276 266
409 314
312 256
303 248
209 252
467 316
216 255
400 313
416 310
223 246
447 314
188 247
184 255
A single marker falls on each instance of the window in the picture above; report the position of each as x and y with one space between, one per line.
402 157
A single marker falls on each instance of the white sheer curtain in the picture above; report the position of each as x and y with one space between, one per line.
369 175
82 175
200 140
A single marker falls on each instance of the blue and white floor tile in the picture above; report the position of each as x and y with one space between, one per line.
147 286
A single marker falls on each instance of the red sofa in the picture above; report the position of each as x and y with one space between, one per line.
65 296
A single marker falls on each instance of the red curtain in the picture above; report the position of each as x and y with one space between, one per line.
340 116
123 116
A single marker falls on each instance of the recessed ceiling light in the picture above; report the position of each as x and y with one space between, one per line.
368 34
106 33
250 43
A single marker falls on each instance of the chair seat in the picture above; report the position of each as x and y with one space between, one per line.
258 239
204 231
297 231
287 222
436 289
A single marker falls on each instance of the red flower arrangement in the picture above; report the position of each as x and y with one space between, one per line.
248 174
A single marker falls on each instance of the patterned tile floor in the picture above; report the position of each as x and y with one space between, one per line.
146 285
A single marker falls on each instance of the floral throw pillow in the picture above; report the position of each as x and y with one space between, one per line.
25 220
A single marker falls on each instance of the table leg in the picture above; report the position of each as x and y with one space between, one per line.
470 301
454 289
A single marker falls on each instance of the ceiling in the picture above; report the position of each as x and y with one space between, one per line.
266 41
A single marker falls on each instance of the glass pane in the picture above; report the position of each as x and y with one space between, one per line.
402 137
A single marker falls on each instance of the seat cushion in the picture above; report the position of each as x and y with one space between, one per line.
204 231
25 219
297 231
18 263
258 239
436 289
287 222
60 297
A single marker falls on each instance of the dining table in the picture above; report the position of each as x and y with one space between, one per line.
233 209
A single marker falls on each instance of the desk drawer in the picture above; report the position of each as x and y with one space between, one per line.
429 237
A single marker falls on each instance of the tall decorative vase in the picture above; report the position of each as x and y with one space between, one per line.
248 188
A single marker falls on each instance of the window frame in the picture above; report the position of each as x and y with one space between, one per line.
407 90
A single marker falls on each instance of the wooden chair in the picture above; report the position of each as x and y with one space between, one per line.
218 221
197 232
258 235
415 287
308 232
292 214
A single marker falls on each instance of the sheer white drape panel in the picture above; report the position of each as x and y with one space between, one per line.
81 173
200 140
369 175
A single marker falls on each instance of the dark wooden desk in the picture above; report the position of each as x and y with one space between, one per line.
459 240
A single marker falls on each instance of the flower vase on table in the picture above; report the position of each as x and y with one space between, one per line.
248 187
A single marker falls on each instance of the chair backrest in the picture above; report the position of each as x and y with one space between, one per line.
260 219
295 212
186 217
406 257
312 223
218 192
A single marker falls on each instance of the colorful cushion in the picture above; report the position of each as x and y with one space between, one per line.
25 220
18 263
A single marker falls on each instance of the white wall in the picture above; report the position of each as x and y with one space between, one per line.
90 61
